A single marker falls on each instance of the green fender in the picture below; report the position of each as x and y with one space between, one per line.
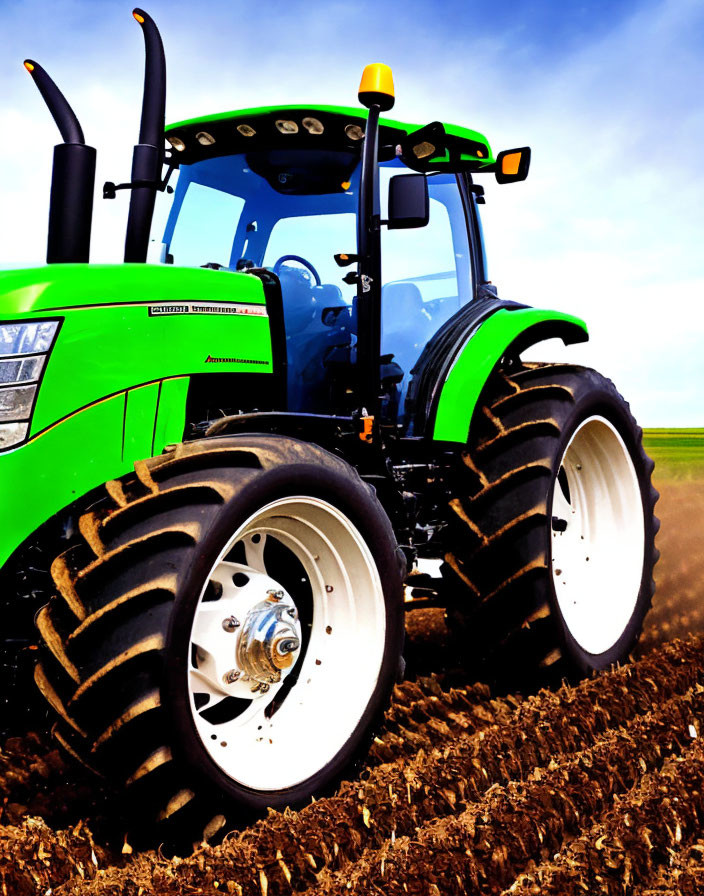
474 363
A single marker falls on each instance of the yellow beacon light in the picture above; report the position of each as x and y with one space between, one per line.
377 86
139 18
29 66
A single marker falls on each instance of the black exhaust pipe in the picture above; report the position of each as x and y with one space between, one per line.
72 179
148 157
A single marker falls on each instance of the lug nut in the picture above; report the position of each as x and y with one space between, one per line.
292 612
231 676
275 595
230 624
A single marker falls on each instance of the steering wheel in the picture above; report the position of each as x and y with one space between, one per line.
279 263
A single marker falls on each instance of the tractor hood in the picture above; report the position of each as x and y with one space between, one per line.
57 288
121 327
110 379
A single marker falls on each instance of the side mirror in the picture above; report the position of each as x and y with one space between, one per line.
409 205
512 165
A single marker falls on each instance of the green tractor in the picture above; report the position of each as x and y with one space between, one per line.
220 472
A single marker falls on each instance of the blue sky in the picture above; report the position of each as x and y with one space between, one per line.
608 94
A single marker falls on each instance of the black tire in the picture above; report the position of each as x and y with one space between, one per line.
117 635
503 607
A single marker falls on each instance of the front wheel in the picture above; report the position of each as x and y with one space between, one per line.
551 537
235 636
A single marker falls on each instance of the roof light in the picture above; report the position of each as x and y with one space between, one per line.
313 126
286 126
246 130
177 143
354 132
204 138
423 150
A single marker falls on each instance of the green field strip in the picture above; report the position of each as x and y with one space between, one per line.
678 453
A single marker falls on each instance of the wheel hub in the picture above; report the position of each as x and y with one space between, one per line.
270 640
248 639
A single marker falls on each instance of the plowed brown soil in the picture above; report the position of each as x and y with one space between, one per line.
592 789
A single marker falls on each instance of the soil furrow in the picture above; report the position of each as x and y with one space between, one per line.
485 847
682 875
289 850
33 857
644 839
422 715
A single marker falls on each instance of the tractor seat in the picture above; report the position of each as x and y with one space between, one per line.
328 295
406 324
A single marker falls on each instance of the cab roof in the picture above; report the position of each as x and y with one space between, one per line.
306 127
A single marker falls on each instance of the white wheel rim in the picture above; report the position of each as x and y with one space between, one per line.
339 662
597 561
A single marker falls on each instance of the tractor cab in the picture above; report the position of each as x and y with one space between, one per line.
309 200
279 189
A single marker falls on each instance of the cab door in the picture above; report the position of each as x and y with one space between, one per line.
427 276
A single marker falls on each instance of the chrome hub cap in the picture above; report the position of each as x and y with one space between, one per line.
233 659
271 639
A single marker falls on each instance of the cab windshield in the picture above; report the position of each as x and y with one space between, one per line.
291 211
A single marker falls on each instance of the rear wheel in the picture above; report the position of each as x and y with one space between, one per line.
550 547
234 637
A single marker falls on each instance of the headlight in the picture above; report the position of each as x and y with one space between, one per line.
24 348
12 433
16 404
27 339
21 370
